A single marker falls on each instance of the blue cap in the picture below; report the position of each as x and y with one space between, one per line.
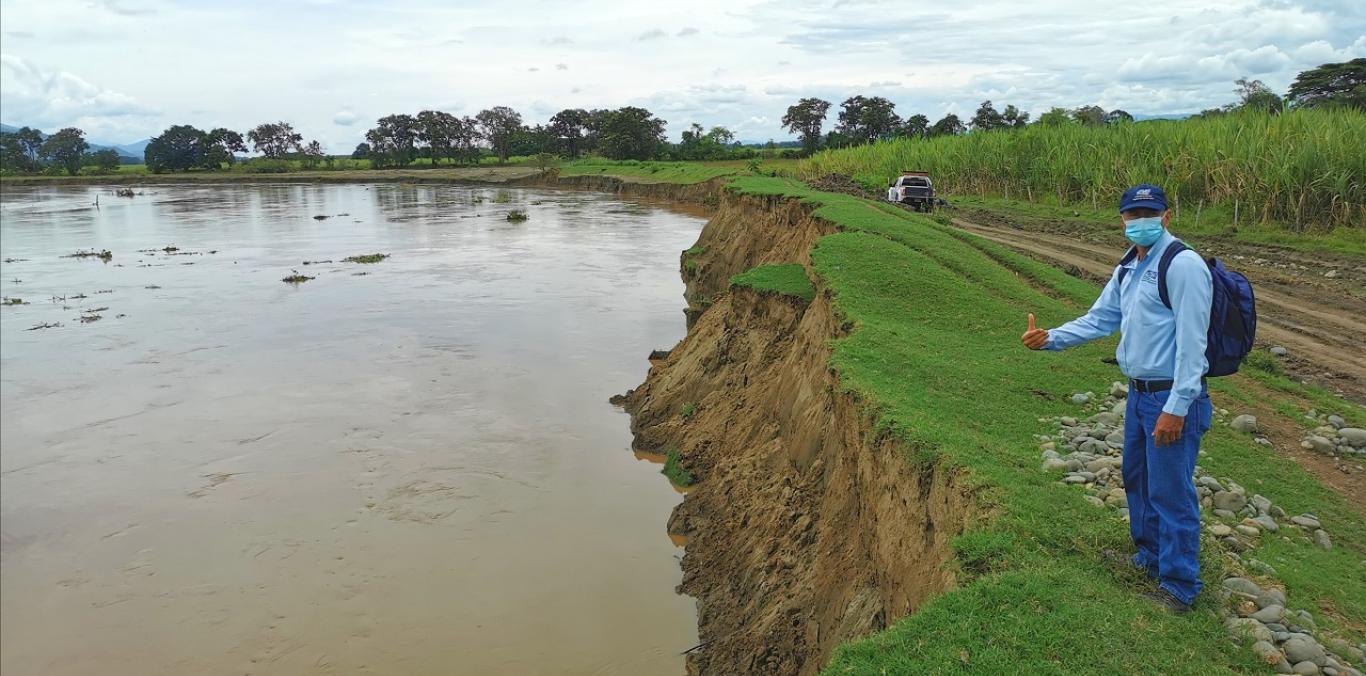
1143 196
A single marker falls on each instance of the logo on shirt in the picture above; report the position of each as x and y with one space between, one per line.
1150 276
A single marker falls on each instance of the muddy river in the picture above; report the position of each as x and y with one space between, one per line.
406 467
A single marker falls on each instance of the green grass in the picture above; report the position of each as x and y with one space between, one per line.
788 279
674 470
647 172
688 410
1306 167
366 258
935 355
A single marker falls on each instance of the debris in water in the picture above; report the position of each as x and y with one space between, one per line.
516 216
171 249
14 301
366 258
44 325
15 260
86 319
124 192
317 262
105 291
79 296
321 217
151 286
103 255
296 278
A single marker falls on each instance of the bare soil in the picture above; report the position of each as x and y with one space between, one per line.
1319 321
806 528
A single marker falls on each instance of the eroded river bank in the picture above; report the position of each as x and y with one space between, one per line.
405 467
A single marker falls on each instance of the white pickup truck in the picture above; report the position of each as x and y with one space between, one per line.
913 188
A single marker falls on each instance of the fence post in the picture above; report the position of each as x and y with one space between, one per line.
1235 213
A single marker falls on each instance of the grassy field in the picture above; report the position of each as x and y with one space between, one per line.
1305 169
936 355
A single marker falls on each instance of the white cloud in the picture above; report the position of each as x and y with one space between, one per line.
344 118
737 63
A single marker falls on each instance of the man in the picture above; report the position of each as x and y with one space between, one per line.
1162 352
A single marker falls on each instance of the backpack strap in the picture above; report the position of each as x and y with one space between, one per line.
1129 255
1176 247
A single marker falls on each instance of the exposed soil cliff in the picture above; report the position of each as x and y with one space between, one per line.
807 526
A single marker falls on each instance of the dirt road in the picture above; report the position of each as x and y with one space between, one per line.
1323 331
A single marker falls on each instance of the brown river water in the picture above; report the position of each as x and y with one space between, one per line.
410 471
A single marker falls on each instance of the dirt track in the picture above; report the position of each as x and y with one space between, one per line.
1323 331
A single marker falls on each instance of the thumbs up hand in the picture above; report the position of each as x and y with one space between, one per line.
1034 338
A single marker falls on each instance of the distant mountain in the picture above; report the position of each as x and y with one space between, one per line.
129 153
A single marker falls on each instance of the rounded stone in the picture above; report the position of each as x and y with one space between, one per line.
1245 423
1302 648
1305 668
1306 521
1243 585
1355 436
1269 614
1246 627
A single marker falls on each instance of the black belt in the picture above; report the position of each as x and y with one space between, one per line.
1155 385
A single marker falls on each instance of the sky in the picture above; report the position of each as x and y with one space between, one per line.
126 69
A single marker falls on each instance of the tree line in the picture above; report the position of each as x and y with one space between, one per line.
25 151
869 119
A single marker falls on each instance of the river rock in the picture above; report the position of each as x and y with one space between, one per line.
1318 444
1243 586
1209 482
1223 513
1245 423
1355 436
1246 627
1271 597
1095 500
1261 503
1306 521
1303 648
1054 465
1269 614
1081 398
1219 530
1229 501
1322 540
1266 523
1279 351
1074 479
1337 421
1067 421
1306 667
1304 619
1250 531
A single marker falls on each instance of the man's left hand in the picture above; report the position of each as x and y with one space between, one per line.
1168 429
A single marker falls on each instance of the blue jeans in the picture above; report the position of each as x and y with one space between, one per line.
1164 509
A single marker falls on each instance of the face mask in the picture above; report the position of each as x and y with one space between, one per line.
1143 231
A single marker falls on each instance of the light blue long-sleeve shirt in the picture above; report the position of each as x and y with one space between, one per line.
1155 343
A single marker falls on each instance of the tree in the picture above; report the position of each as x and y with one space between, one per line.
916 126
311 154
531 141
629 133
1055 117
497 125
1118 116
1255 95
805 119
435 128
66 149
1091 116
179 148
721 136
1332 84
14 157
465 138
987 118
31 144
392 141
105 161
1013 118
222 144
275 139
568 126
949 125
362 151
866 119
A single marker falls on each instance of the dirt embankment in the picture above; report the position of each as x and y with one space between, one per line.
807 527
